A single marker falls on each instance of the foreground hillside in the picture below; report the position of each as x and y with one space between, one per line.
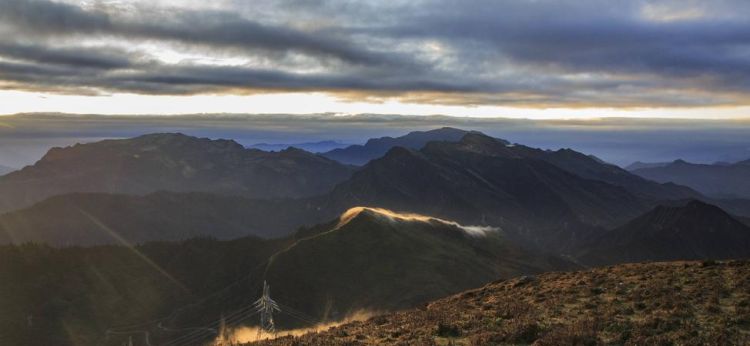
686 303
367 259
376 259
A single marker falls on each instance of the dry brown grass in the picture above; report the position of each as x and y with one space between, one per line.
675 303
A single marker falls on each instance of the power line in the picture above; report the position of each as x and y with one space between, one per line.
234 317
174 313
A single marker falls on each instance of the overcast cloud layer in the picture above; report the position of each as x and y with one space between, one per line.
527 53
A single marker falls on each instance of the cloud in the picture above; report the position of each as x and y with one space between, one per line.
86 58
545 53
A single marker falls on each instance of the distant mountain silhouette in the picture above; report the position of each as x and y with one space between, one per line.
718 180
381 260
482 180
693 231
86 219
173 162
638 165
314 147
377 147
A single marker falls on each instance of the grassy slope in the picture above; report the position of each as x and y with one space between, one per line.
381 265
74 294
686 303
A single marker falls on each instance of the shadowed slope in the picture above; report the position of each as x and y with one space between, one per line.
77 219
481 180
693 231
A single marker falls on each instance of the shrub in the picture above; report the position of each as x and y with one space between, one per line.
447 330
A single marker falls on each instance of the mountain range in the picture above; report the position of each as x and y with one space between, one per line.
172 162
550 199
722 180
182 230
534 195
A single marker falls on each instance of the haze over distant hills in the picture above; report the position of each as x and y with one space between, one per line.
617 140
172 162
5 170
313 147
727 180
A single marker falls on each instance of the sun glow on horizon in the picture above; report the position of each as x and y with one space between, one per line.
15 102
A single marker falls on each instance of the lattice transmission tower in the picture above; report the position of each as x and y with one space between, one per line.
266 307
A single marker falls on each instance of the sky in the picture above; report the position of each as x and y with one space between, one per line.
540 59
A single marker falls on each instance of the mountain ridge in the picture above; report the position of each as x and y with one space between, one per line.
174 162
716 180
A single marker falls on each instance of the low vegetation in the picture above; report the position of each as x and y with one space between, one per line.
671 303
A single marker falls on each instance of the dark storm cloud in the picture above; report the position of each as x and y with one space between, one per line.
583 53
78 57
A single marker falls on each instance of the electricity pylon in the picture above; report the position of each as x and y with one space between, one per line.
266 306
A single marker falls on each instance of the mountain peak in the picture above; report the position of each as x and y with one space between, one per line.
378 215
693 209
399 153
695 230
179 139
476 142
